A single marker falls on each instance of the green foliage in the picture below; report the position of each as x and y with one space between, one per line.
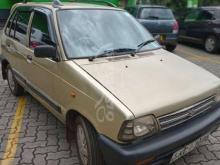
209 2
181 4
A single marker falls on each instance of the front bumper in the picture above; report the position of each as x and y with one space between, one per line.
161 146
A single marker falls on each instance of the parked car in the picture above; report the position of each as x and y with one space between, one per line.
123 98
159 20
180 14
202 26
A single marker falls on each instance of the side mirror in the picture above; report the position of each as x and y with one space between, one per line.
45 51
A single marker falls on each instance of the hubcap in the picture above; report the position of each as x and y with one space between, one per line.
11 80
82 145
210 44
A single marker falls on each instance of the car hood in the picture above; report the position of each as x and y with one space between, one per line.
156 83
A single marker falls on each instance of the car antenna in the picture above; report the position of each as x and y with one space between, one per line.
57 3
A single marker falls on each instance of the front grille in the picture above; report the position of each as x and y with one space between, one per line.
185 114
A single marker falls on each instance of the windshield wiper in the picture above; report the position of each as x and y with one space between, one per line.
112 52
152 17
140 46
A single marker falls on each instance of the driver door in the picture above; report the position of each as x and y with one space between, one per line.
42 71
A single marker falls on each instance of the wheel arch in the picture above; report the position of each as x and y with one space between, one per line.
216 44
4 63
209 35
71 116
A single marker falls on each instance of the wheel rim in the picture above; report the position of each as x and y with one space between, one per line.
82 145
11 80
210 44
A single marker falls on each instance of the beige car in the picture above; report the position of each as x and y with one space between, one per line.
123 98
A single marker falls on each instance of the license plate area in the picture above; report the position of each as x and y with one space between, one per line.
162 38
188 148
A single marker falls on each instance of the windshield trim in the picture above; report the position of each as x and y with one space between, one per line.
87 57
118 54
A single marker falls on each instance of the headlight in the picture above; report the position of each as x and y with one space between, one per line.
141 127
217 98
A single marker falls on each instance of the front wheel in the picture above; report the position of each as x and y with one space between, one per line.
15 87
211 44
86 142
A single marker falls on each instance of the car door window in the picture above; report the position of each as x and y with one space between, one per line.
193 16
205 15
39 34
19 25
7 30
13 24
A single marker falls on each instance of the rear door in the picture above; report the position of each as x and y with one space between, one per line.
189 27
15 44
190 19
197 26
203 25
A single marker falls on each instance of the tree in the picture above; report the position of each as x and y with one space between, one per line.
181 4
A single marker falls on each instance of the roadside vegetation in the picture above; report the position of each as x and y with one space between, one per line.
181 4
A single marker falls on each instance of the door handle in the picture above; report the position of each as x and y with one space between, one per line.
8 43
29 58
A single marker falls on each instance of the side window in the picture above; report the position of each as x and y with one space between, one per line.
40 31
17 26
21 26
206 15
7 30
13 25
193 16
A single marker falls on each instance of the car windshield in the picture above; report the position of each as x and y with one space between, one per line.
156 13
91 32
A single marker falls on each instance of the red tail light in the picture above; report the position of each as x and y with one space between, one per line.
175 27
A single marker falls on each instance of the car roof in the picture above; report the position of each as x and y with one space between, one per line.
67 5
152 6
210 7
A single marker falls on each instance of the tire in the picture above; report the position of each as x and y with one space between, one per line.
170 48
211 44
15 87
86 135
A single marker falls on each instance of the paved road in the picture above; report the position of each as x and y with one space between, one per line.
208 61
29 134
209 152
